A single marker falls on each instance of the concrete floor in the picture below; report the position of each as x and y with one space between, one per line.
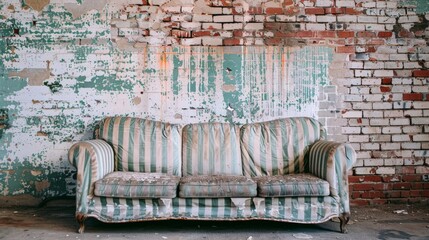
55 220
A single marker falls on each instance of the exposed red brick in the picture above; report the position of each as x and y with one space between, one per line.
421 73
378 201
274 11
386 81
412 178
255 10
284 34
372 178
415 193
237 33
201 33
352 11
273 41
373 194
365 34
385 89
345 49
359 202
370 49
355 195
362 187
290 11
412 96
385 34
180 33
401 186
406 170
392 178
382 186
221 3
345 34
405 194
326 34
315 11
287 3
304 34
231 41
335 10
356 179
393 194
405 34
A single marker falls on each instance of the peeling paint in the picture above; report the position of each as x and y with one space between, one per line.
44 109
85 6
37 5
35 76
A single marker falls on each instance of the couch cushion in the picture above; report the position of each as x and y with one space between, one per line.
216 186
278 147
211 149
137 185
143 145
291 185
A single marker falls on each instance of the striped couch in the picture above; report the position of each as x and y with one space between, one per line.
282 170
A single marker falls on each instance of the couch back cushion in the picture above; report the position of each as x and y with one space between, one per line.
211 149
277 147
142 145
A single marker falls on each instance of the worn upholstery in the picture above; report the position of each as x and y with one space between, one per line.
211 149
331 161
137 185
93 160
292 185
278 147
142 145
216 186
288 159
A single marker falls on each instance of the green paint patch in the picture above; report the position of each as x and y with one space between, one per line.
108 82
55 86
4 121
41 181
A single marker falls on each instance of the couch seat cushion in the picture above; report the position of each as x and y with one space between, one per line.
137 185
291 185
216 186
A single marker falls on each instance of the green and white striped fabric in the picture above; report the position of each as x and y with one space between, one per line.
93 160
278 147
216 186
287 209
331 161
137 185
291 185
109 209
296 209
142 145
211 149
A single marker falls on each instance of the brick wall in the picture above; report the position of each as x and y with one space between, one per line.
384 83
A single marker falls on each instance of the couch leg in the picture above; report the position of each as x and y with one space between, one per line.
81 220
344 219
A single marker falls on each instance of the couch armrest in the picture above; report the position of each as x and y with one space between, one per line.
331 161
93 160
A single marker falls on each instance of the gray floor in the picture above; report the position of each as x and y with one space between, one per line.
55 220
